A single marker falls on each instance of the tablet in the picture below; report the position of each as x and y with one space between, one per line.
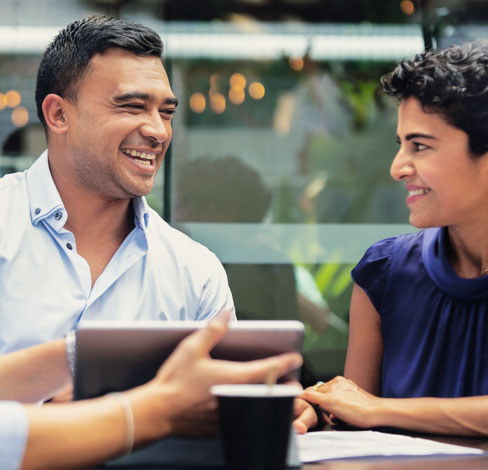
116 356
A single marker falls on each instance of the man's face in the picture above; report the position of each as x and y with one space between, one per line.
119 127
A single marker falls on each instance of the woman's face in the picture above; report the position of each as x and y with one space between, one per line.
446 185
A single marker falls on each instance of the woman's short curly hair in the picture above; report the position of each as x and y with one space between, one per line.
452 82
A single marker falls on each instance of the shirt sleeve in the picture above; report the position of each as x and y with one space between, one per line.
216 293
14 429
373 270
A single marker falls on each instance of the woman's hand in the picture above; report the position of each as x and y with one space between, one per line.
344 400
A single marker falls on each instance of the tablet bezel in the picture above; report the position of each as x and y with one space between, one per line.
117 356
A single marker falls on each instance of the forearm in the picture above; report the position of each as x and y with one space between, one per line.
89 432
350 403
35 373
455 416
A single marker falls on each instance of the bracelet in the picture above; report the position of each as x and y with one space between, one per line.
70 339
129 420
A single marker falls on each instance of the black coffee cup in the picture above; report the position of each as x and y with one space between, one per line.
255 423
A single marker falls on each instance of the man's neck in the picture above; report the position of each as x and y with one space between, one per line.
99 225
94 218
99 228
89 214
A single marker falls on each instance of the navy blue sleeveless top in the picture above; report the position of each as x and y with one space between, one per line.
434 323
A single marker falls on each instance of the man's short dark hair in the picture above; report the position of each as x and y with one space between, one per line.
452 82
67 58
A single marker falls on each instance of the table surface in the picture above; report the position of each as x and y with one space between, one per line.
464 462
472 462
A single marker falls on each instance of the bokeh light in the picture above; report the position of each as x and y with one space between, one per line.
214 81
3 101
236 96
198 102
237 80
407 7
256 90
13 98
20 116
217 103
296 63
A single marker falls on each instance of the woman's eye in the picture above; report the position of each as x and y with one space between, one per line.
419 147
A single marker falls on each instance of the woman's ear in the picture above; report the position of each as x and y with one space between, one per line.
53 108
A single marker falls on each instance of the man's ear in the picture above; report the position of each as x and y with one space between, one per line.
53 108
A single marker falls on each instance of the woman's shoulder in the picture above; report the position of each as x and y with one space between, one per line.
384 260
398 246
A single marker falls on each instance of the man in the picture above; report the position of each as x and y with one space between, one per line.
77 238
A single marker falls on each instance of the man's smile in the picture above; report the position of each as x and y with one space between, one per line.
144 158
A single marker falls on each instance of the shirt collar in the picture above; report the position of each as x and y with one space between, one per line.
141 212
44 198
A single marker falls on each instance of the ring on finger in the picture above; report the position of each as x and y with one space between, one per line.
316 387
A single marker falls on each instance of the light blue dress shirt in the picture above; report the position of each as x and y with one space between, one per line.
157 273
13 434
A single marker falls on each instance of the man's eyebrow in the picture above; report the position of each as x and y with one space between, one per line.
417 135
144 97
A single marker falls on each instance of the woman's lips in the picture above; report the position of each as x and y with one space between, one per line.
414 194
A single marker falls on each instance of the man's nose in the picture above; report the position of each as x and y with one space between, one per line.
156 128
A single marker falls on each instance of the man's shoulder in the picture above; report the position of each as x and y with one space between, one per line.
12 186
11 181
163 234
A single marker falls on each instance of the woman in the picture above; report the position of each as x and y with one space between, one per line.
177 401
418 350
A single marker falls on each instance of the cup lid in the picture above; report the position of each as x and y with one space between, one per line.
256 390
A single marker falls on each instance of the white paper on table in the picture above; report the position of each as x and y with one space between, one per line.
323 445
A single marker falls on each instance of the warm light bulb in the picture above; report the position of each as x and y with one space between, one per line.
236 96
407 7
217 103
20 116
198 103
13 98
295 63
3 101
237 80
256 90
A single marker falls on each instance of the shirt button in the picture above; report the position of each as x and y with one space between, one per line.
37 211
69 246
58 215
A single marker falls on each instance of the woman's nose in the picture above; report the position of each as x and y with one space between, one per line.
402 166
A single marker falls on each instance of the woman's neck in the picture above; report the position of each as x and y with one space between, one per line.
468 251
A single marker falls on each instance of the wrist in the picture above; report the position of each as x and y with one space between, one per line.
382 413
152 411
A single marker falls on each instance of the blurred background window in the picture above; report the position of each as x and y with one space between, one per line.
282 142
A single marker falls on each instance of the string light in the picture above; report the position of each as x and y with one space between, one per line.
217 102
20 116
296 63
237 80
237 96
256 90
407 7
3 101
198 103
13 98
